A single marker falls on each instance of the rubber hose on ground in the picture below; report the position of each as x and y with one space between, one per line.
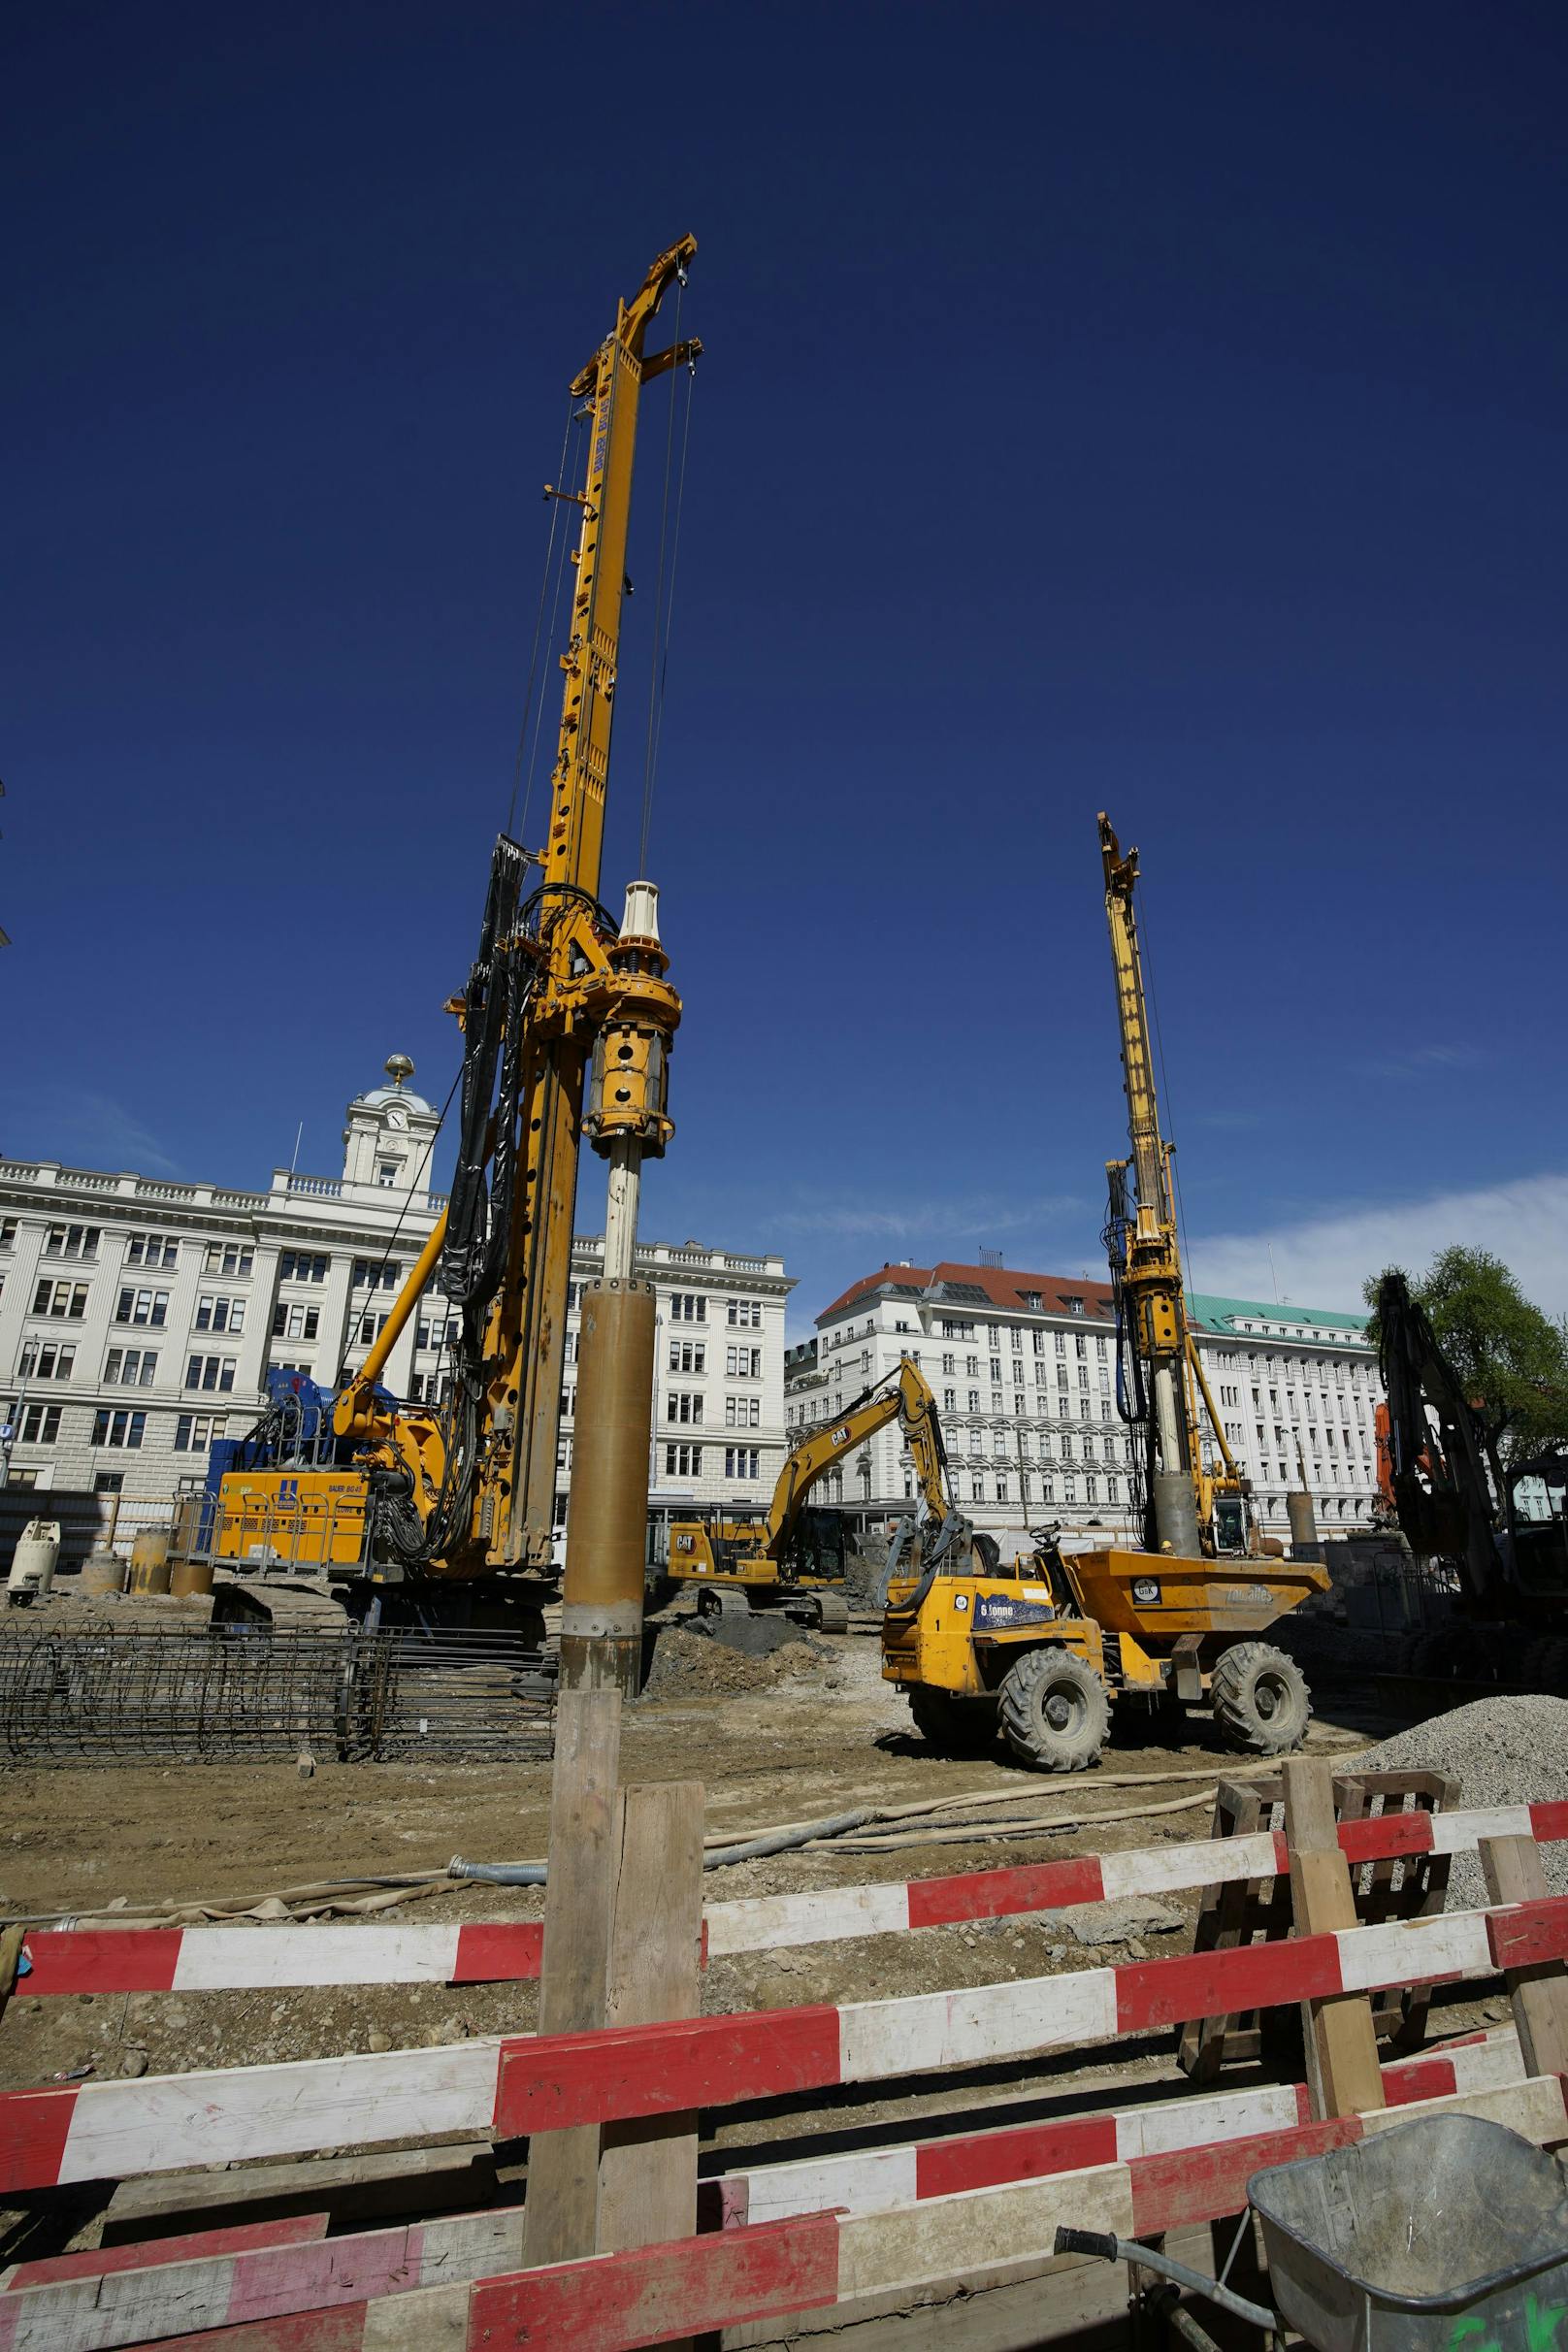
752 1849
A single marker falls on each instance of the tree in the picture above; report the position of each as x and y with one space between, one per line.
1510 1358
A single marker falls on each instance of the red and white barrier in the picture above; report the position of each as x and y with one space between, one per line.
235 1959
872 2180
362 2287
524 2085
205 1959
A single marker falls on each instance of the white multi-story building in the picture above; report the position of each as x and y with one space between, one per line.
1294 1384
1024 1370
138 1316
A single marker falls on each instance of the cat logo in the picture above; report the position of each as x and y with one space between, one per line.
841 1437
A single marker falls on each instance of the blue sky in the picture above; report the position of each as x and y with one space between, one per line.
1105 405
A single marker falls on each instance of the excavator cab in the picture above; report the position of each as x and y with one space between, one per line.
1231 1529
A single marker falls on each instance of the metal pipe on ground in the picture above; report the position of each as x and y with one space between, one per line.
608 1513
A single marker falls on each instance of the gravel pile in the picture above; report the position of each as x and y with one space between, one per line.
1506 1751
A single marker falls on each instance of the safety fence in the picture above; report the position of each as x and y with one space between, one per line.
274 2270
519 2084
204 1959
810 2235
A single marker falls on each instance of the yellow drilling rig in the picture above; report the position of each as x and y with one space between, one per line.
1043 1651
567 1021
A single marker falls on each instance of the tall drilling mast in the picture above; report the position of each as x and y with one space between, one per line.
556 986
529 1335
1146 1255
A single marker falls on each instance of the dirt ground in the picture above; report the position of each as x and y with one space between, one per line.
807 1731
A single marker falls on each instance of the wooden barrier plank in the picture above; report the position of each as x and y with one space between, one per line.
647 2170
1539 1992
580 1913
1343 2075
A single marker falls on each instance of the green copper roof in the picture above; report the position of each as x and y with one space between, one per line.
1257 1319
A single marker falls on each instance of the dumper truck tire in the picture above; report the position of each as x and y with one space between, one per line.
1055 1710
954 1727
1260 1699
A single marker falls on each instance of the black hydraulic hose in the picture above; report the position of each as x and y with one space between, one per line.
1111 2248
750 1850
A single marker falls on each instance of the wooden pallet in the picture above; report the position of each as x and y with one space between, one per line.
1258 1910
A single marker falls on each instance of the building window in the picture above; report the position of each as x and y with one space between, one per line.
7 1232
194 1432
38 1425
72 1241
303 1265
386 1174
47 1359
150 1307
154 1250
740 1461
289 1322
1031 1299
229 1258
688 1306
370 1274
949 1400
746 1311
957 1330
742 1412
108 1482
682 1405
688 1356
61 1299
683 1462
219 1314
1001 1489
743 1363
210 1372
130 1367
371 1328
118 1428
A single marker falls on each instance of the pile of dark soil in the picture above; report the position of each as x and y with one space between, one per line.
688 1663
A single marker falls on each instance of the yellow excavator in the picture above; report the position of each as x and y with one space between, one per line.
793 1558
567 1023
1043 1651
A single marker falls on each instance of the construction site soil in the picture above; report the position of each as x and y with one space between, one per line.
807 1731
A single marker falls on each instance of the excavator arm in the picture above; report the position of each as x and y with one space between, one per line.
904 1396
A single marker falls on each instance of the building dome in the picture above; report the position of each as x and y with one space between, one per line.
378 1097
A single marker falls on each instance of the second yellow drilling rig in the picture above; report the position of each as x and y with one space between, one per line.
1194 1502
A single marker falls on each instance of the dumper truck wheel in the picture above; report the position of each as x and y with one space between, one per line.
1055 1710
1260 1699
954 1727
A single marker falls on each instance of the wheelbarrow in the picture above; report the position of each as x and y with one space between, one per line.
1446 2235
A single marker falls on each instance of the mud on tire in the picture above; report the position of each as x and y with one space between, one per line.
1260 1699
1055 1710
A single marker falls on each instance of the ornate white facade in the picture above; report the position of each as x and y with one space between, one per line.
1024 1370
138 1316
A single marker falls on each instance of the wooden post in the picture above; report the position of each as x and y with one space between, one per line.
579 1910
1342 2076
1513 1871
647 2174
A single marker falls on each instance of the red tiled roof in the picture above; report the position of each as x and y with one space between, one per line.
1003 1286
